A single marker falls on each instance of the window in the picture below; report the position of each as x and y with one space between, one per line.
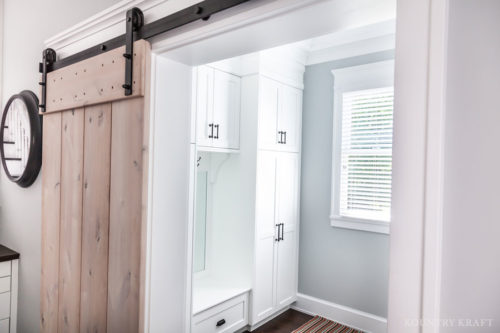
362 156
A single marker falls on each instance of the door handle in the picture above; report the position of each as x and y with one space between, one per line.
282 231
280 140
217 128
278 239
284 134
211 135
221 322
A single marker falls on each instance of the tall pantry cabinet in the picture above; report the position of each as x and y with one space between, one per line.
276 233
279 95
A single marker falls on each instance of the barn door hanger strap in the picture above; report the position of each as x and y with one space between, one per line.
135 30
135 20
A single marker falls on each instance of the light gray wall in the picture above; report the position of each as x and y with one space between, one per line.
471 234
346 267
27 24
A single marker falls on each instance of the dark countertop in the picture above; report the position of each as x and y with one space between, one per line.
7 254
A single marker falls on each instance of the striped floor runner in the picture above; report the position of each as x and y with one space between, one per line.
321 325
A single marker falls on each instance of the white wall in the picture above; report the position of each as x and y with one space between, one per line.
27 24
1 47
471 244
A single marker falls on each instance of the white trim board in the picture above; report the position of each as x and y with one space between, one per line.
367 76
343 314
434 193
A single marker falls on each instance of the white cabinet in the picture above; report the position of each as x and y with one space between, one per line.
204 105
226 317
275 275
280 116
8 293
217 109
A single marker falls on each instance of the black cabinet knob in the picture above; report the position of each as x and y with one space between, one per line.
221 322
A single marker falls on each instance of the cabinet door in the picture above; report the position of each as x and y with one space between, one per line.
266 195
290 118
227 105
287 200
268 114
286 275
263 292
204 105
287 189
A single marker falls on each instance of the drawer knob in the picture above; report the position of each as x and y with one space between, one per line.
221 322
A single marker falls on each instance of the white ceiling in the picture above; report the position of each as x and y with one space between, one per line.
350 42
349 20
352 35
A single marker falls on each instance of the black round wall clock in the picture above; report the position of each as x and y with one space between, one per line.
21 135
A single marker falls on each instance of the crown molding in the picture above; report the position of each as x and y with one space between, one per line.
102 20
109 23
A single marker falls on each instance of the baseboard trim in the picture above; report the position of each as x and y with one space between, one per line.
364 321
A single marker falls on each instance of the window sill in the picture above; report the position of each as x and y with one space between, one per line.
380 227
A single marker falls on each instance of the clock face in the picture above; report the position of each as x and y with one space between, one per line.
16 138
21 135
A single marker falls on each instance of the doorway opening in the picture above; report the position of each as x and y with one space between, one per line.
261 188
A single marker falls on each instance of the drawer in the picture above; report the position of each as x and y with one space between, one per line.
232 313
4 305
4 284
4 325
4 268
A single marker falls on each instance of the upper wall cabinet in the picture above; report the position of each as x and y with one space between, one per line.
217 109
280 116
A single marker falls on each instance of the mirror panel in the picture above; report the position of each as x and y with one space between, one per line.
200 227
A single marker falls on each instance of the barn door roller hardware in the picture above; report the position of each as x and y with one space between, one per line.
135 20
135 30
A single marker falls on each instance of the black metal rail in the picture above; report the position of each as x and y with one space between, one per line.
135 31
202 10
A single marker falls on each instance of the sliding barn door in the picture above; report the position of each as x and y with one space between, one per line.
93 195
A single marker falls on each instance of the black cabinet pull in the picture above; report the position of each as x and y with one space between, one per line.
282 231
278 239
217 128
284 134
211 135
221 322
280 140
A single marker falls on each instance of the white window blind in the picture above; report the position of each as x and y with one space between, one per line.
366 154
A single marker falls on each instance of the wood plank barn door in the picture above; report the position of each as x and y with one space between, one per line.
94 179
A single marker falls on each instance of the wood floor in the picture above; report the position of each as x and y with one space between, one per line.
284 323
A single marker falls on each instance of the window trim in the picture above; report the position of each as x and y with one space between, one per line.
369 76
